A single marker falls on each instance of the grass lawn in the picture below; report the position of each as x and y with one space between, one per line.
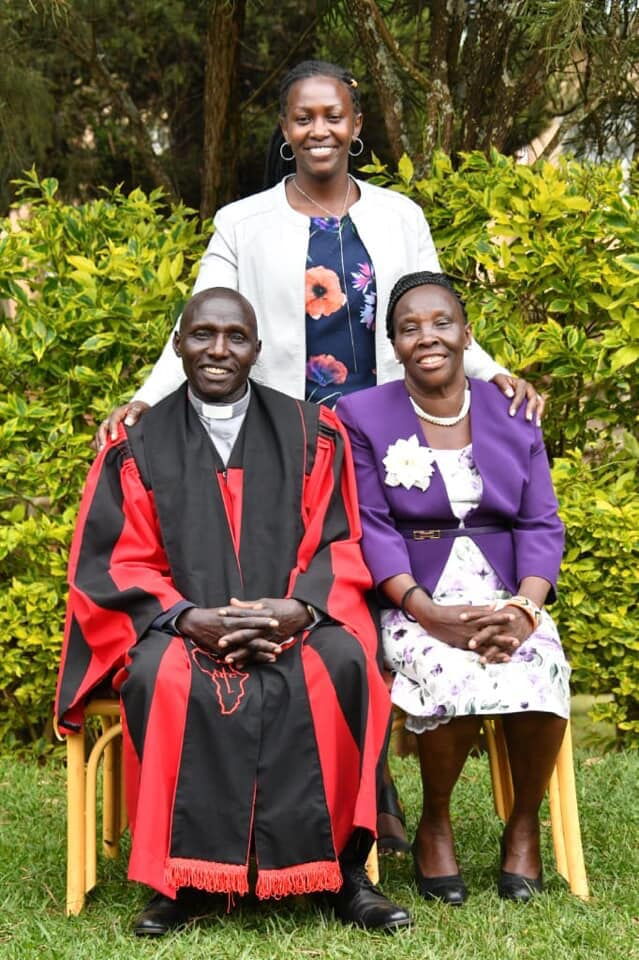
555 926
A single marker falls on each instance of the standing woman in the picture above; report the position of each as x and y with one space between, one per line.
317 254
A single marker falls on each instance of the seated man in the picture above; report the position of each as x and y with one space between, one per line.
216 569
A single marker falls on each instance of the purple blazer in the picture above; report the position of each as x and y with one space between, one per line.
510 456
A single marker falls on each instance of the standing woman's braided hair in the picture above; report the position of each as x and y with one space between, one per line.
420 279
275 167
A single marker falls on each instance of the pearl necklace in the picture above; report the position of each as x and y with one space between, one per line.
443 421
325 209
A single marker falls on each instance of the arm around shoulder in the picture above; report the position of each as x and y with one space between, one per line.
218 267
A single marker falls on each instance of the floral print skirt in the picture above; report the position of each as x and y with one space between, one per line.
434 683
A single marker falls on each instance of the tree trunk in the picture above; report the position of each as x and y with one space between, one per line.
221 114
437 131
384 72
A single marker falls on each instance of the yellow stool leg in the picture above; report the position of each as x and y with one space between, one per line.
570 818
557 825
75 823
124 819
503 796
111 797
372 865
91 798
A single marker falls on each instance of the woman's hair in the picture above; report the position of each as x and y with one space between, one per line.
275 167
420 279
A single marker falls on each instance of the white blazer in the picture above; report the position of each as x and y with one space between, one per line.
259 248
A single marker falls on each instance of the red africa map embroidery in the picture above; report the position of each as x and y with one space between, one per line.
229 683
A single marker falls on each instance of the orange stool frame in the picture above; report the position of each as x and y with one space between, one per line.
562 796
82 774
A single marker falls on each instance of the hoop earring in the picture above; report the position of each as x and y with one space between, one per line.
361 147
286 144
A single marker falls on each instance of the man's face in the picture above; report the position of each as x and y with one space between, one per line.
218 345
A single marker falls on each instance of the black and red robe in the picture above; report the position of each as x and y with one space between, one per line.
278 760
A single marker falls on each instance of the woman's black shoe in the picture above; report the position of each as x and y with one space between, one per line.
515 886
390 805
451 889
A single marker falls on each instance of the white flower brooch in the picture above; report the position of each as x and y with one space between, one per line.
408 464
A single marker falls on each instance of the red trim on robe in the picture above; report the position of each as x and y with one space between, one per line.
231 486
338 753
151 833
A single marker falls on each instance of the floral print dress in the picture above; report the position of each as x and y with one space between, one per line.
340 311
434 682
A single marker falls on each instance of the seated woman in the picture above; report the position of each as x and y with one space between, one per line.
461 533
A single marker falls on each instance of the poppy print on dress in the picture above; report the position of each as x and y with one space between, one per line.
340 296
325 369
323 292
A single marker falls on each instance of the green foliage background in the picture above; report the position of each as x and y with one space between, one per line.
548 258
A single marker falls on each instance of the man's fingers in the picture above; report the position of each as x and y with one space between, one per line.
247 604
230 614
243 634
257 649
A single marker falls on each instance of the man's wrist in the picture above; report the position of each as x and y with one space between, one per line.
181 620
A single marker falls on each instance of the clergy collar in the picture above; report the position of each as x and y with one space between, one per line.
221 411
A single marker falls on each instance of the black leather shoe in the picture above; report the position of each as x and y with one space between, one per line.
515 886
388 803
363 904
450 889
162 914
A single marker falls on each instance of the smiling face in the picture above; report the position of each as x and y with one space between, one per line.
320 125
218 345
429 337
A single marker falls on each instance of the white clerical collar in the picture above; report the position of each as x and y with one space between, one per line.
221 411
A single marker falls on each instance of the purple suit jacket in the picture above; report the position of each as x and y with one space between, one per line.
510 456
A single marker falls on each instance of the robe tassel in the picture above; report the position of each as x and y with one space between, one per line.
299 880
206 875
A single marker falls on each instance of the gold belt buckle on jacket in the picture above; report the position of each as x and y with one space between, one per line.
426 534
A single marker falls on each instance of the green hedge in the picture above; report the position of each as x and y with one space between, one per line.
553 289
97 288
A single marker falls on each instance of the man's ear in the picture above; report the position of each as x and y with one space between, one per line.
469 336
258 348
176 343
